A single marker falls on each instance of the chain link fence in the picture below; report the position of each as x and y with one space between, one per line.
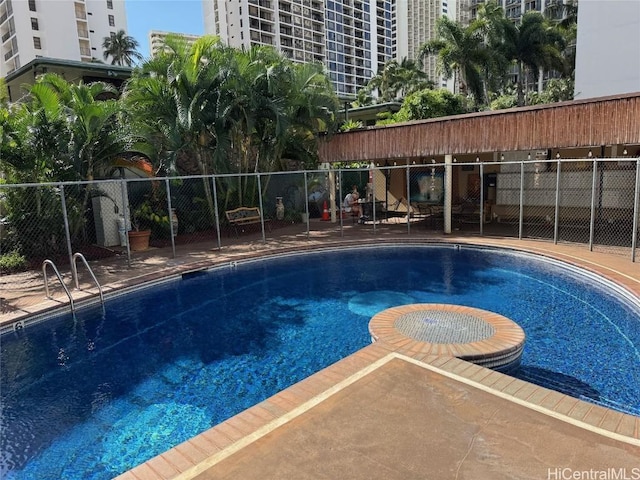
593 202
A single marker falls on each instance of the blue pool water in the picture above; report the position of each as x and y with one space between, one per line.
90 397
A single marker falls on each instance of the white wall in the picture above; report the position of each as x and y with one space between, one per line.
608 48
58 32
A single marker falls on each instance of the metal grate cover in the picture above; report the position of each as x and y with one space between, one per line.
439 326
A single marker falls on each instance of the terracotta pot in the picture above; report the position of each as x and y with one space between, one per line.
139 240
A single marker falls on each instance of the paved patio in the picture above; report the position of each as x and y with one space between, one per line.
389 410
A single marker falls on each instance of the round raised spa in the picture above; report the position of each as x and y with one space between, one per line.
478 336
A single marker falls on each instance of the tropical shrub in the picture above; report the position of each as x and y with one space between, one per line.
13 262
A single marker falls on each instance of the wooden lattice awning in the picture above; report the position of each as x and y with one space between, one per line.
580 123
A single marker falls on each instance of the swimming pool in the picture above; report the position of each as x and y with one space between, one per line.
95 396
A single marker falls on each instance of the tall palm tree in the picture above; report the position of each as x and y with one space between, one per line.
533 44
122 49
461 54
492 22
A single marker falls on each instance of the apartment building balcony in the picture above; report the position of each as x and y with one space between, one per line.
284 6
9 54
262 3
267 39
262 26
4 16
286 30
85 52
13 64
83 33
6 36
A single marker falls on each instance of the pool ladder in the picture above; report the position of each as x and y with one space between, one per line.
74 271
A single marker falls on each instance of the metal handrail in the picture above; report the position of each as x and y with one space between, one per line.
75 273
46 281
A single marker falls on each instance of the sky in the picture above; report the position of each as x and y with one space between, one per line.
178 16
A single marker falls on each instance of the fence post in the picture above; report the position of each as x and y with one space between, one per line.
340 196
636 213
171 232
408 202
66 225
215 213
306 200
521 211
592 223
481 173
557 209
260 202
127 217
448 194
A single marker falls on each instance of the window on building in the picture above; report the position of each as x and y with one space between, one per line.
32 5
36 43
112 21
110 4
34 24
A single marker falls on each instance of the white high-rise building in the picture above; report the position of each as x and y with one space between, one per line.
157 39
352 38
608 48
416 25
68 30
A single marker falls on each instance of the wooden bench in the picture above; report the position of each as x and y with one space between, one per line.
243 216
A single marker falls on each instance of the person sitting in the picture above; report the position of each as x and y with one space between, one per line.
351 205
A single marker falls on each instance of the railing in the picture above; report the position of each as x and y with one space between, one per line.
59 277
74 267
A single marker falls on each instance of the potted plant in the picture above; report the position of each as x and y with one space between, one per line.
142 219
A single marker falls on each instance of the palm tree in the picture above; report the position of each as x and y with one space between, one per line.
461 54
533 44
122 49
4 93
564 14
492 22
395 80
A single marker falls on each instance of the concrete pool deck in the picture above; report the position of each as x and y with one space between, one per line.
396 411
